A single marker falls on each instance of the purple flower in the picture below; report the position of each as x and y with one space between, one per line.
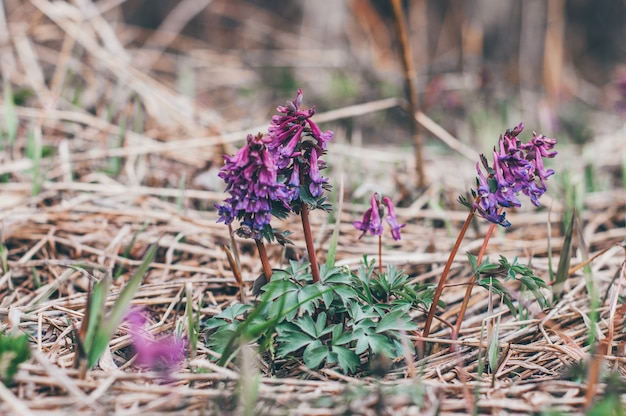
517 167
162 355
316 180
266 176
297 144
251 178
392 220
486 202
372 223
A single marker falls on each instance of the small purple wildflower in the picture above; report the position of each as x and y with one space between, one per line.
517 167
251 178
372 223
392 220
161 355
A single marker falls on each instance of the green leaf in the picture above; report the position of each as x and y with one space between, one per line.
279 310
219 339
233 311
345 293
334 239
314 354
227 316
309 297
307 325
327 294
14 350
378 343
396 320
472 261
292 341
562 271
345 358
360 312
320 325
96 307
336 275
340 336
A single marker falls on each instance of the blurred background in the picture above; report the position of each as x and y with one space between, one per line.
175 70
547 61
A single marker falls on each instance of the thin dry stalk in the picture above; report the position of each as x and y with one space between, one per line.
411 89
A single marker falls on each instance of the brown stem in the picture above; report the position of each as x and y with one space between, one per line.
308 238
470 286
267 270
444 275
409 82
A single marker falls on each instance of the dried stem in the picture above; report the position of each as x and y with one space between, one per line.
444 275
468 291
411 90
308 238
267 270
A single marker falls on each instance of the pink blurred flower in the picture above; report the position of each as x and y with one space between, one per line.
162 355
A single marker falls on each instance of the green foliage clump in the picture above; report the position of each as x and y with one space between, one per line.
338 321
488 275
14 350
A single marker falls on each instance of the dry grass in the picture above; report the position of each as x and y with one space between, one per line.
90 210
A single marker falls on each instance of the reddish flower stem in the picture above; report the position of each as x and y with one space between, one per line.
444 275
380 255
470 286
267 269
308 238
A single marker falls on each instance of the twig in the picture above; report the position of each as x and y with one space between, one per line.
411 90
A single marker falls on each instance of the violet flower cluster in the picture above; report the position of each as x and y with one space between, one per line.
372 222
162 355
517 167
269 173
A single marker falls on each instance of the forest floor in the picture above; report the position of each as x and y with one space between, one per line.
106 160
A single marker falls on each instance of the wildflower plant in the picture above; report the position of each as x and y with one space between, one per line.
98 326
344 319
372 223
277 174
329 315
517 168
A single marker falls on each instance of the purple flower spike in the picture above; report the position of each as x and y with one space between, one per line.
162 355
251 178
297 143
265 177
517 167
392 220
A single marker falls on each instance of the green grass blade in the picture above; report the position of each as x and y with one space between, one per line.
334 239
110 325
563 270
96 309
10 116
